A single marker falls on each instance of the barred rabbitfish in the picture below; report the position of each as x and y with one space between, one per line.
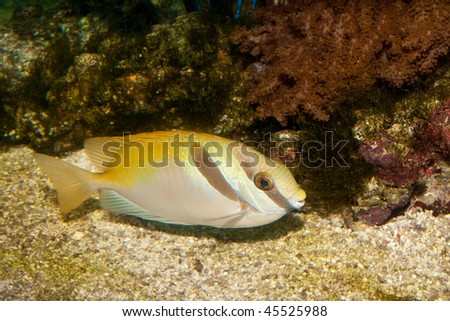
180 178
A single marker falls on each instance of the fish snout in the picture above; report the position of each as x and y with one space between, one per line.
298 200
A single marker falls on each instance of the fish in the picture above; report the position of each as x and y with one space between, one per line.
178 177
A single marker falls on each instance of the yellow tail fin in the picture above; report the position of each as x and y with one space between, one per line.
74 185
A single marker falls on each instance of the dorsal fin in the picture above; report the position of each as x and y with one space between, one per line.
103 151
108 152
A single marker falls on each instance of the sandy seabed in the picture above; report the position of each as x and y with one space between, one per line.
93 254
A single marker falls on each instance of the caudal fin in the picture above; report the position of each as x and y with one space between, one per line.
74 185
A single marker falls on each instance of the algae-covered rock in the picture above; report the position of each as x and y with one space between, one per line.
407 141
89 75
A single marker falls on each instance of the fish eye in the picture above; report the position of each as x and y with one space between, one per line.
263 181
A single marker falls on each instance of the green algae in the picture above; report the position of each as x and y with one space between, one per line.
55 274
383 296
25 8
58 273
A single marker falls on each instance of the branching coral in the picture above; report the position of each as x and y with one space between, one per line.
310 54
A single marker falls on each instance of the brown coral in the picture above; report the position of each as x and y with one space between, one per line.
310 54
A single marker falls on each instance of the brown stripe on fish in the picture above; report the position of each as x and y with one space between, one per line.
211 171
246 156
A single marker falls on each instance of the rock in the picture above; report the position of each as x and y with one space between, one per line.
81 75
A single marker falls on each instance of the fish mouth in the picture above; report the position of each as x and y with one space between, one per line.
297 200
298 204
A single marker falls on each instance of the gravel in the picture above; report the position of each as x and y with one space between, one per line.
92 254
